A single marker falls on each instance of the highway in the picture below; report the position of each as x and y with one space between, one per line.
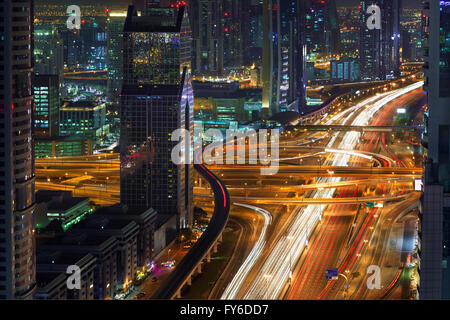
346 250
323 182
173 283
274 273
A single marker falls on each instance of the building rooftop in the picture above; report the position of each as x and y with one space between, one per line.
151 90
156 20
66 204
82 105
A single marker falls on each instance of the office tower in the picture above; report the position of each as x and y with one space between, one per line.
379 51
435 202
17 201
83 118
252 31
283 50
115 22
72 49
48 50
46 101
233 45
321 28
156 100
208 37
94 45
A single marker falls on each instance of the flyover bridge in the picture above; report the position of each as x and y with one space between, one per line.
192 262
358 128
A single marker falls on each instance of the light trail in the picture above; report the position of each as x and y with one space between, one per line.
235 285
275 271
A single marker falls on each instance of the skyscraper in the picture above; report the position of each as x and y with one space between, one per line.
379 51
156 100
208 37
115 22
47 102
17 200
435 203
321 28
283 56
48 50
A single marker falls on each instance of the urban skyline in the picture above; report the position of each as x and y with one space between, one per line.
224 150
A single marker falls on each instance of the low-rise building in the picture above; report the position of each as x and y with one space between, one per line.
104 248
51 275
62 146
61 206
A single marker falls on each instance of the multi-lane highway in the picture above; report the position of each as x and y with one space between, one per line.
273 274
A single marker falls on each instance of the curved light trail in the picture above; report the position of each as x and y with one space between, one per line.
275 271
235 285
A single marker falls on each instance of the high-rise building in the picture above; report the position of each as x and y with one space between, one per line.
321 28
283 56
252 31
46 101
208 37
17 200
48 50
379 51
435 203
115 22
156 100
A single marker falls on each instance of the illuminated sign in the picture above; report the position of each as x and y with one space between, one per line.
418 184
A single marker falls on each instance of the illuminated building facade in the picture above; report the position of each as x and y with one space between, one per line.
46 100
283 56
83 118
48 50
379 51
208 37
322 35
156 100
435 202
17 175
115 22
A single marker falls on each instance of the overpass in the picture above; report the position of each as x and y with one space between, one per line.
323 171
317 201
357 128
191 264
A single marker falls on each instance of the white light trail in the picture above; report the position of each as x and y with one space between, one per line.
274 273
235 285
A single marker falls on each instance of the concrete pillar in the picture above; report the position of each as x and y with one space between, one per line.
178 294
208 257
199 268
215 247
189 281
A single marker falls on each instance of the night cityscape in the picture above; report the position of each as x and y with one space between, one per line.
224 150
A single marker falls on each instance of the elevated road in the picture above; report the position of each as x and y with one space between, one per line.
171 288
361 129
350 200
325 171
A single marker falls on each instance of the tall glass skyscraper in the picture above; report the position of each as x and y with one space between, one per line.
115 22
435 203
283 56
156 100
379 50
17 200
